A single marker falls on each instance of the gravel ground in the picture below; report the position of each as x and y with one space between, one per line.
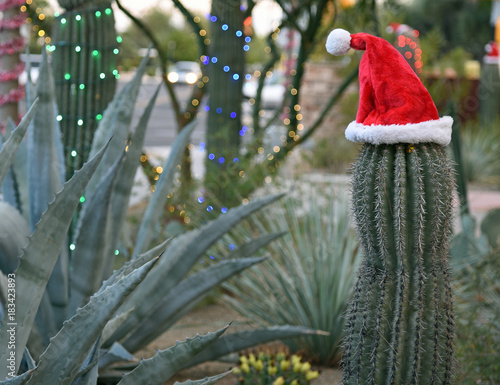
208 319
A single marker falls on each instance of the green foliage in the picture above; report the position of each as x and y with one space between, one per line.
310 277
461 23
267 369
60 319
400 322
178 42
477 285
480 146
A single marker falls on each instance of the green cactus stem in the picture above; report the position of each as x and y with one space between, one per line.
400 322
84 60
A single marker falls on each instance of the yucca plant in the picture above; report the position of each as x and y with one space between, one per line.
309 279
73 315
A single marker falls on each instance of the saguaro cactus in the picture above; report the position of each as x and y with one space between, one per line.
400 322
84 50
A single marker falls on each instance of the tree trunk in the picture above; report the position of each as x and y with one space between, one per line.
225 87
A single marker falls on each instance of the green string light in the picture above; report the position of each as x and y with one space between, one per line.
119 39
108 11
78 17
95 52
98 14
78 48
82 199
67 76
63 21
116 51
102 75
82 86
98 117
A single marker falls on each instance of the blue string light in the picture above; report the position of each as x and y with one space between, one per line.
219 110
226 68
214 60
221 160
223 210
239 33
225 27
236 76
232 115
211 156
201 199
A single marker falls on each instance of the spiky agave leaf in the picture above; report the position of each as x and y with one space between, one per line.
125 181
204 381
183 298
180 256
193 289
61 361
237 341
114 126
12 143
92 245
161 367
163 187
39 258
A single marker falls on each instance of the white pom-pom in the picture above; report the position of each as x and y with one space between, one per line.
338 42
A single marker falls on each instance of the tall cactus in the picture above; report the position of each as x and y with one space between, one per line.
400 322
84 51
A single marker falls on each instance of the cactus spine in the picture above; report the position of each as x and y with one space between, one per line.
84 59
400 322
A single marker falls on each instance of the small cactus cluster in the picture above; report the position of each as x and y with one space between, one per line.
400 322
274 369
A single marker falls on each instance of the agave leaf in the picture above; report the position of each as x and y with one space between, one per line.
125 181
176 262
12 143
117 353
114 126
15 232
89 372
182 299
61 361
44 159
193 289
92 246
490 227
163 187
39 258
10 188
204 381
135 263
245 339
18 380
46 175
161 367
19 172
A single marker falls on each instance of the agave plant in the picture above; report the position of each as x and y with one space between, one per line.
310 276
73 316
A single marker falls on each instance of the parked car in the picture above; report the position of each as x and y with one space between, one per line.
184 72
273 91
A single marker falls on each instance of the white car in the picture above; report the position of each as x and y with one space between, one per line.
184 72
273 91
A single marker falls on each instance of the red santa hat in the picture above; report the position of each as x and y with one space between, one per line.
394 106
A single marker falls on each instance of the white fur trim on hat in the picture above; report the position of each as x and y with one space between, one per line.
338 42
431 131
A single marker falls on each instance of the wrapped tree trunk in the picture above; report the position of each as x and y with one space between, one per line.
400 322
84 51
11 44
226 71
